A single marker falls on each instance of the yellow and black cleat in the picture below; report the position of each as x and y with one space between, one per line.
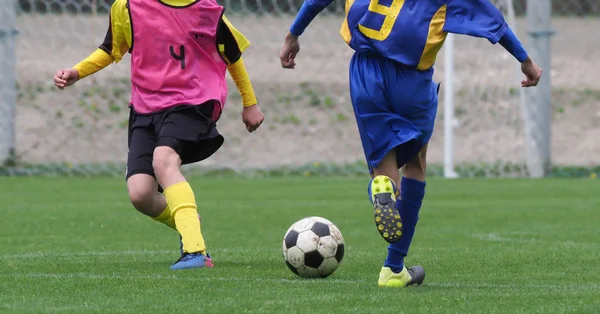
387 218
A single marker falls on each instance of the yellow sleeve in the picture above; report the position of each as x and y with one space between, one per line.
238 73
116 42
118 39
95 62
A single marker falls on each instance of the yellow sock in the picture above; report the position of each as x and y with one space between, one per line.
166 218
182 203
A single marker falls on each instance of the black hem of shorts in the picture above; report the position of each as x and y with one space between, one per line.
130 174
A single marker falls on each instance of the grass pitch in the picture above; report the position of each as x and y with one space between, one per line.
488 246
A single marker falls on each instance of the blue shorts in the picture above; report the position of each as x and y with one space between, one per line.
395 107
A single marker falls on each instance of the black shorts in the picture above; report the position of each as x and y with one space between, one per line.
190 130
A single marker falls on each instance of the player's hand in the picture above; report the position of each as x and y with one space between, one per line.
65 77
532 72
252 117
288 52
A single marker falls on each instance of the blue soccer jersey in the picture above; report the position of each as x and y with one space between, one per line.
412 32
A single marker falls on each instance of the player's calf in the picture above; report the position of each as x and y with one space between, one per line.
412 191
142 190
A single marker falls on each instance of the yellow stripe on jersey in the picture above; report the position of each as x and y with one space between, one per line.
241 40
222 51
345 30
435 39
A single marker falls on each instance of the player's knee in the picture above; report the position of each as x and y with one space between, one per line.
165 159
141 197
142 189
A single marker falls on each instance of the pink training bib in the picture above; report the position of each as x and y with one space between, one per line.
174 55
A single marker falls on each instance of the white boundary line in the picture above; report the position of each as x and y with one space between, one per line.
131 252
513 237
295 281
175 252
93 276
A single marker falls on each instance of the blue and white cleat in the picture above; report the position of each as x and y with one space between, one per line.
387 219
193 260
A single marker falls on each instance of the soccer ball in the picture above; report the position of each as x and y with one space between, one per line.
313 247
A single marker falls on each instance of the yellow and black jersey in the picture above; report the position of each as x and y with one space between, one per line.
230 42
119 37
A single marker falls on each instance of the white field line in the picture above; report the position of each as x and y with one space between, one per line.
510 238
176 251
297 281
117 253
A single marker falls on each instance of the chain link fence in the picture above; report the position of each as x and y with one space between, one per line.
490 137
309 125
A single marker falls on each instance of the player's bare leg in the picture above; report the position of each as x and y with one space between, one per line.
412 186
181 200
383 193
144 195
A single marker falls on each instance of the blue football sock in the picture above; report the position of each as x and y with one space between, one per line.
411 197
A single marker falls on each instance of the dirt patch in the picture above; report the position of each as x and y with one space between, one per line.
308 112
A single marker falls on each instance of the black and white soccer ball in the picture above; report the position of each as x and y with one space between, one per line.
313 247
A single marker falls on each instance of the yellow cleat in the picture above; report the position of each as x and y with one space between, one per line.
407 277
387 219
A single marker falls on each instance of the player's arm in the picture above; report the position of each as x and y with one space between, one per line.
309 10
480 18
232 44
113 48
240 77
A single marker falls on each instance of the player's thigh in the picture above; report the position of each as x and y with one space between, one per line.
190 131
367 85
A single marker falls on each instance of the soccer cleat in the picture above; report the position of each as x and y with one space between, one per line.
407 277
193 260
387 219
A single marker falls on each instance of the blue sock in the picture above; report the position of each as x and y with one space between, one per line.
411 197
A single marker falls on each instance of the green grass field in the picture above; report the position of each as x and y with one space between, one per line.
488 246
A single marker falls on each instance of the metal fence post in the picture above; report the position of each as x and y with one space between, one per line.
8 31
538 107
